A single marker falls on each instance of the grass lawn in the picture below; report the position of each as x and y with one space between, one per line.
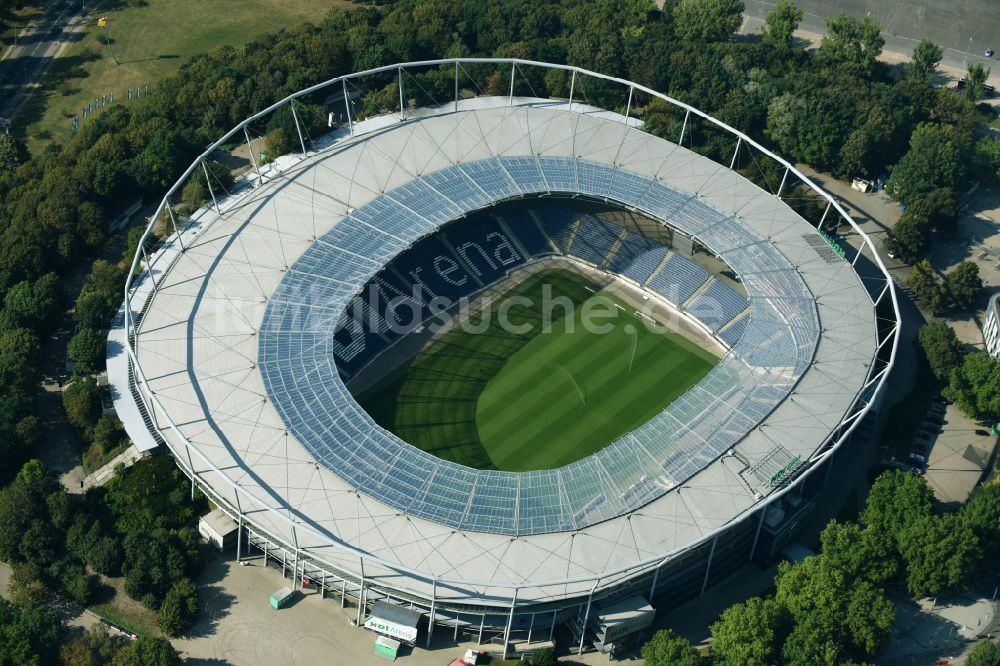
541 399
151 42
124 611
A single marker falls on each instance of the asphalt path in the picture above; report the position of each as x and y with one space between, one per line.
39 43
963 28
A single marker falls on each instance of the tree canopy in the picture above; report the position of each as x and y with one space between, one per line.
987 653
87 350
975 81
666 648
851 42
937 158
975 386
707 20
941 554
923 64
895 500
941 347
780 24
749 633
964 284
148 651
928 291
29 635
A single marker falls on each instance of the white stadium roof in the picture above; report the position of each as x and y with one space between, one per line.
245 412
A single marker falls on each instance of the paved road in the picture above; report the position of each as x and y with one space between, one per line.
23 67
964 28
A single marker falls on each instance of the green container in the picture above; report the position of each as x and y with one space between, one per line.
281 598
386 648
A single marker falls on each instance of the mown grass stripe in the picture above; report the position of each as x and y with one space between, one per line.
504 400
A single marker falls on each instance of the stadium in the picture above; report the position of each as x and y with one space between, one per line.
304 345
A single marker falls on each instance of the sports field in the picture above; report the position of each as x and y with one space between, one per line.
535 399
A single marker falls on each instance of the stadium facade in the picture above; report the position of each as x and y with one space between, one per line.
239 345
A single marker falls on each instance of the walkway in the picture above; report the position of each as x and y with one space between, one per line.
106 472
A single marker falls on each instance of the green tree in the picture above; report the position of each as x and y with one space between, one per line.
20 505
12 153
987 653
156 560
31 475
895 500
108 432
964 284
74 580
780 24
18 351
707 20
859 552
975 81
982 513
29 635
923 64
908 237
937 158
148 651
161 160
94 648
27 585
135 235
938 207
928 291
940 553
836 618
81 400
975 386
810 129
666 648
31 304
987 158
179 608
101 290
152 493
749 633
941 347
87 350
276 143
851 44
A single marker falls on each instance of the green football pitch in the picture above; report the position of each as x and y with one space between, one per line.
520 399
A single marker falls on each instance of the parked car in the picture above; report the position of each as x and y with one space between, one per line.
983 433
917 459
989 53
941 400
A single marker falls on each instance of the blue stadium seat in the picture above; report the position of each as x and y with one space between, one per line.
732 334
355 344
678 279
430 265
717 305
558 224
528 235
484 247
594 238
637 257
